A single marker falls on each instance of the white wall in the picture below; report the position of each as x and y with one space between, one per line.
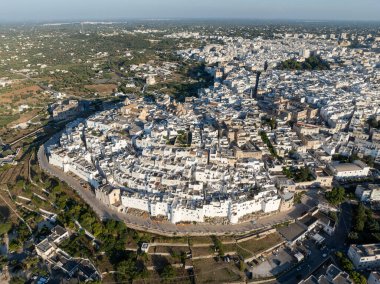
135 202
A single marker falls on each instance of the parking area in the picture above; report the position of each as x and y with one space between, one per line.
275 263
308 250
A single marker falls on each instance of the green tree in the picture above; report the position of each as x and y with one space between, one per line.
304 174
353 236
345 262
335 196
5 228
218 246
241 265
310 63
372 121
361 218
168 272
265 139
126 270
97 229
3 261
373 225
358 278
17 280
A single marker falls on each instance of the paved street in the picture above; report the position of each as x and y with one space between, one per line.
164 228
306 267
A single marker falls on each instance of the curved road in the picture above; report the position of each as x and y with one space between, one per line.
163 228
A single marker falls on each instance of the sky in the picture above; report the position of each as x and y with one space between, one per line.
53 10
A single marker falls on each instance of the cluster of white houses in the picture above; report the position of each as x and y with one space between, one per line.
187 210
224 154
170 160
344 98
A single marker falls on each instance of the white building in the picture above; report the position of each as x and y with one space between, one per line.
368 193
357 169
150 80
365 256
374 278
135 201
186 211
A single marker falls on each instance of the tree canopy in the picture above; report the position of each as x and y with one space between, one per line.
336 195
310 63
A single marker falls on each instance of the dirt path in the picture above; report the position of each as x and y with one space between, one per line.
15 212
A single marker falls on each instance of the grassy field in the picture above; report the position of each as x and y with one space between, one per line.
22 94
228 248
13 174
172 250
179 276
256 246
202 251
102 89
25 116
201 240
161 239
210 271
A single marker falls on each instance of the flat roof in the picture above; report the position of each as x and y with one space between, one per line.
44 246
308 220
367 250
346 167
60 231
292 231
70 265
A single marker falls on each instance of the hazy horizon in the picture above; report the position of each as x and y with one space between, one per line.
118 10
